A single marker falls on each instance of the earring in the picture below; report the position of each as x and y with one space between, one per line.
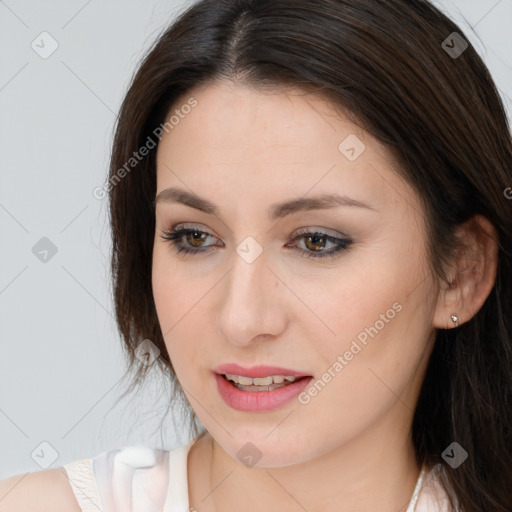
455 319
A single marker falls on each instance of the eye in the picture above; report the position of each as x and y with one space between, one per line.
190 241
316 241
193 236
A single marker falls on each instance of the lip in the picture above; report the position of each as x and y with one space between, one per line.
257 371
257 401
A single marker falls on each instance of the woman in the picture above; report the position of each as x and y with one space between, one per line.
312 239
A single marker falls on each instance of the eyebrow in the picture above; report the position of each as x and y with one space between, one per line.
276 211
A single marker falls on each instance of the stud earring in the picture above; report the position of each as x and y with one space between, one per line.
455 319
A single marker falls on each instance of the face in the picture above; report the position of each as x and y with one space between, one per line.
337 292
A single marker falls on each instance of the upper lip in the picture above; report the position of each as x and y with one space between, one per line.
257 371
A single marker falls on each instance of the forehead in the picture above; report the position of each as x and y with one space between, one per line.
234 116
285 141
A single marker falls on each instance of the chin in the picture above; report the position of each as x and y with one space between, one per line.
255 451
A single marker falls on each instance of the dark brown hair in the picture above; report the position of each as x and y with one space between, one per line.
439 114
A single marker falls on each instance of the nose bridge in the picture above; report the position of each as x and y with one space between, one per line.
249 309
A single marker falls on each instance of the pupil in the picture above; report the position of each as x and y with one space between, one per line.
315 239
196 234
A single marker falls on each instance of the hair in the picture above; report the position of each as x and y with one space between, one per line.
442 119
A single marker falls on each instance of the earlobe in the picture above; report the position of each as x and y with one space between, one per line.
474 273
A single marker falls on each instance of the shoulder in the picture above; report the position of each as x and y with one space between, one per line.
40 491
90 484
132 476
433 496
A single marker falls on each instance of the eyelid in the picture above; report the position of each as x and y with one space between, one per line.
300 231
323 231
341 243
192 227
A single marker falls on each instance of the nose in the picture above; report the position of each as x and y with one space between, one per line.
254 302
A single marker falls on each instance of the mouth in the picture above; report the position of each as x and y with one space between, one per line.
260 393
259 388
261 383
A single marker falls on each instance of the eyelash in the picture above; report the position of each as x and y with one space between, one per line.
176 234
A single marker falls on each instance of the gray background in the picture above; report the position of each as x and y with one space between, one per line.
61 365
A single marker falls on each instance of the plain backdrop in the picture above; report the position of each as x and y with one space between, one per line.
61 365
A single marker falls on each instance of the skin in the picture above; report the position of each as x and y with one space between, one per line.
349 448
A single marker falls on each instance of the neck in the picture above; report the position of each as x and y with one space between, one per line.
366 473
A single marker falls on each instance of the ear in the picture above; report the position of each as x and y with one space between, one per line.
471 275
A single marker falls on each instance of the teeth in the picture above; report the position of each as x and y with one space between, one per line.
259 381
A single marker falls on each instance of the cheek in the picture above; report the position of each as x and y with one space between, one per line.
380 302
368 369
163 287
168 294
173 289
179 302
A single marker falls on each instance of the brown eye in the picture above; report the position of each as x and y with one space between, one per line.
315 242
187 240
195 238
191 241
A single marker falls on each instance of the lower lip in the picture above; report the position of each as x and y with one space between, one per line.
259 400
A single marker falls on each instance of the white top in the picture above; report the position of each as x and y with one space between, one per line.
142 479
